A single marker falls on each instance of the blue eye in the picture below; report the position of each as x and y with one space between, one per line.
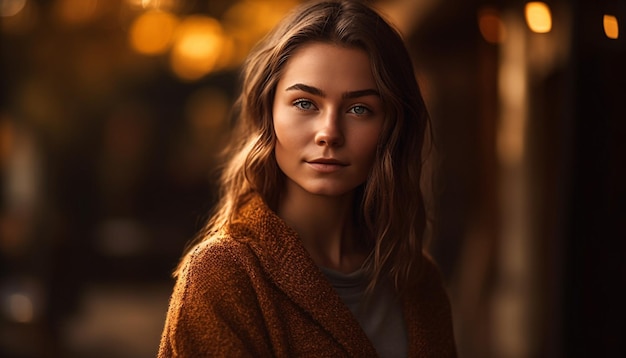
359 110
304 104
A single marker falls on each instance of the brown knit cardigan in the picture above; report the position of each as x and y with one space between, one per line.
256 292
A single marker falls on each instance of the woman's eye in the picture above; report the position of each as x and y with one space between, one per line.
359 110
304 104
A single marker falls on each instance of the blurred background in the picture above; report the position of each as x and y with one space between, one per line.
112 112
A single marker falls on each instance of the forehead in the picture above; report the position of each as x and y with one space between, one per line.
329 66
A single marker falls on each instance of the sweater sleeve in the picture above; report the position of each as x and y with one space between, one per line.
213 310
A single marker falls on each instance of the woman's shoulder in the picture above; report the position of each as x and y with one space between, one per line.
219 259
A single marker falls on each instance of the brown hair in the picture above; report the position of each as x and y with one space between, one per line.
390 203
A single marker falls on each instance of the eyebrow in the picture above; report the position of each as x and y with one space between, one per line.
318 92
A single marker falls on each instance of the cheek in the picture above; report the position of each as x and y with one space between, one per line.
281 126
284 138
290 135
367 142
288 143
281 129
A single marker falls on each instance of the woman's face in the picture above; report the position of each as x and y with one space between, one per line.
328 116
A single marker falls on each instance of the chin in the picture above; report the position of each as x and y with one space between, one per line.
328 190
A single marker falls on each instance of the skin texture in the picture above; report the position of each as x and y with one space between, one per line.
328 117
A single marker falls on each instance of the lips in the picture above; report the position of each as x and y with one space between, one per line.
326 165
329 161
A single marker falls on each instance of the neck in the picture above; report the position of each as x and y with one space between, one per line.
325 226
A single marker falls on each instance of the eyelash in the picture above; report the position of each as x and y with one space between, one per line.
366 110
298 104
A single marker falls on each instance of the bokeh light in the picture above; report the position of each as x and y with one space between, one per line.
10 8
197 47
538 17
152 32
248 21
21 307
611 26
491 26
152 4
18 16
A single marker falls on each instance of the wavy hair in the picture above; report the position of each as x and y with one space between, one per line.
390 203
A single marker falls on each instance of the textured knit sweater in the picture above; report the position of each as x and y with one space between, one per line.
254 291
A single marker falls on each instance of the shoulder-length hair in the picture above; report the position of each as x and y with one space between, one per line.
390 204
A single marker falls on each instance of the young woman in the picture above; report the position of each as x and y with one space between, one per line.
315 248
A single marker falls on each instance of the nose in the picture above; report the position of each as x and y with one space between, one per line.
330 132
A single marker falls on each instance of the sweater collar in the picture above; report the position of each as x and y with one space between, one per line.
291 268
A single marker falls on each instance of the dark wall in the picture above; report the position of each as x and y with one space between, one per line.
595 291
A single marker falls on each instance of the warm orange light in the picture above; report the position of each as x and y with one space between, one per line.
76 11
538 17
7 139
11 8
152 4
247 21
611 27
197 48
491 26
228 54
18 16
152 32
